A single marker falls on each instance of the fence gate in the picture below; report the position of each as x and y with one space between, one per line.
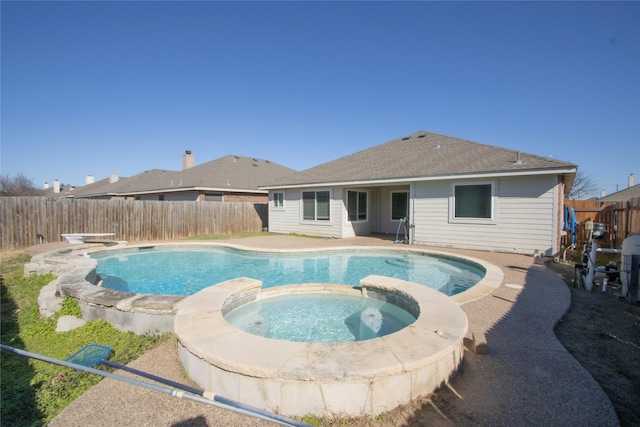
621 219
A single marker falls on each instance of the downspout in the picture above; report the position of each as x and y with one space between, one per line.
558 219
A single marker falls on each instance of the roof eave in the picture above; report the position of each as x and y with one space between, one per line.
184 189
556 171
91 195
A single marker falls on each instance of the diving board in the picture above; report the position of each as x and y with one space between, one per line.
76 238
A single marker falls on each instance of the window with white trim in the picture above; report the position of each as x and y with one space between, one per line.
399 205
278 200
473 201
315 205
357 205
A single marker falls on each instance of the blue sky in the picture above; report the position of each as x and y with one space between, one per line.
101 87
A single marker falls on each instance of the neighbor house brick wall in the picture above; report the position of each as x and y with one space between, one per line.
248 198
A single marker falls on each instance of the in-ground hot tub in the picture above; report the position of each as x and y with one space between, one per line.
321 316
357 378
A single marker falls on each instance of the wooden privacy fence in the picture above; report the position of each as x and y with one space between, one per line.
24 218
621 219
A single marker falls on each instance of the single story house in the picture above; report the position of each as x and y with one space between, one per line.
631 192
227 179
436 190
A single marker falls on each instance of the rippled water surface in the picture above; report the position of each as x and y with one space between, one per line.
320 317
184 271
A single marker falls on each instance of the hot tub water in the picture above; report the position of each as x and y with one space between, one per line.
320 317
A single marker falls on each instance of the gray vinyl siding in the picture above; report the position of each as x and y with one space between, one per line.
524 217
288 219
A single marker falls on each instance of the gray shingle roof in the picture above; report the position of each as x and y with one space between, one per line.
421 155
229 173
145 181
233 172
95 189
622 195
123 185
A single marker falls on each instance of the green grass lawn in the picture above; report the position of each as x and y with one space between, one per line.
33 391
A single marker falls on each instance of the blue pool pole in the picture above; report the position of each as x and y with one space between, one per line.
170 391
93 354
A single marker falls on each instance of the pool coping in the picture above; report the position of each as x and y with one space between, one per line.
358 378
154 314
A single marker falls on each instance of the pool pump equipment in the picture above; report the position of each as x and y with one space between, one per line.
595 231
629 272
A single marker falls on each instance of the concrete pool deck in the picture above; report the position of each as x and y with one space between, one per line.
526 378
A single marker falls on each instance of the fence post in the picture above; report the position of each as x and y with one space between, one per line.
632 292
23 218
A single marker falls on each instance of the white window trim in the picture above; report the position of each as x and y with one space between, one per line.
275 200
452 206
391 193
316 221
367 213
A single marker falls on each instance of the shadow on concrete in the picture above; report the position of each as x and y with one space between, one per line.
527 377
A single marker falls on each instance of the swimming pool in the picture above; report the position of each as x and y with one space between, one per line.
297 377
187 270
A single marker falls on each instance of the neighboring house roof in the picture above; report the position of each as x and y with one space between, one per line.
98 188
622 195
65 191
50 192
232 173
105 187
226 174
424 155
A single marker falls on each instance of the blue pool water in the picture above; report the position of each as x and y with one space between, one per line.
182 271
320 317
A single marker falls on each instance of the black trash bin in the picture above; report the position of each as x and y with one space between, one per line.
599 230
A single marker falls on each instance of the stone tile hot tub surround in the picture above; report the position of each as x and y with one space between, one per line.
337 379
